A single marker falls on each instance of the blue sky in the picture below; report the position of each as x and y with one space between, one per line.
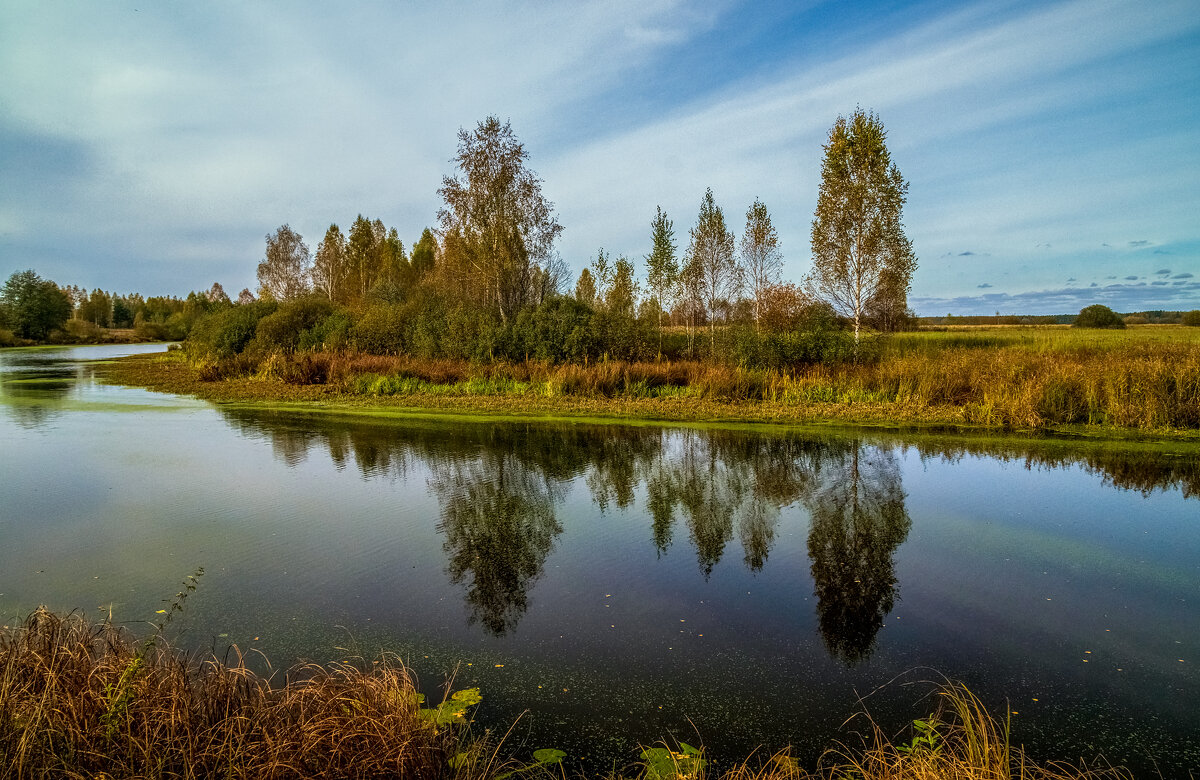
1051 148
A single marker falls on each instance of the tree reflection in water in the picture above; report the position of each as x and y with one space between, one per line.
499 487
499 524
858 521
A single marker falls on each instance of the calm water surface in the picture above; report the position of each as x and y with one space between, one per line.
621 584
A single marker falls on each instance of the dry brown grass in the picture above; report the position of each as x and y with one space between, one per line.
1140 381
83 700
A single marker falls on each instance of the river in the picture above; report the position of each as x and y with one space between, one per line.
610 585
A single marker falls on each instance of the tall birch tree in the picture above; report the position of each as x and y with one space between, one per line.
858 242
712 262
761 258
506 226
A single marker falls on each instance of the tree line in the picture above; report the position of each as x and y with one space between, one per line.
487 283
34 309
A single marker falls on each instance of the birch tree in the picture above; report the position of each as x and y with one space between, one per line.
283 272
761 258
711 260
858 242
506 226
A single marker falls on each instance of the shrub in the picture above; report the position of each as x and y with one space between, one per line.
1098 316
283 329
335 332
559 330
380 330
226 332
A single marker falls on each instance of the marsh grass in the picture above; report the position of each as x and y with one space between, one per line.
188 718
960 740
211 718
1143 379
1030 378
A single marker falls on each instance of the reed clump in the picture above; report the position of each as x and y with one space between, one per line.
960 740
79 699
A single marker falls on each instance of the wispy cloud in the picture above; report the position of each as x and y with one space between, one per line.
154 150
1067 300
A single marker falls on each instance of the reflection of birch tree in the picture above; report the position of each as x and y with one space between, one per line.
710 490
661 497
499 526
858 521
757 521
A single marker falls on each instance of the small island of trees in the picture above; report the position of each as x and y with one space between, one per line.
488 285
482 305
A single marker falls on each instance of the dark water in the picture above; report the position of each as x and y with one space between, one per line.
621 584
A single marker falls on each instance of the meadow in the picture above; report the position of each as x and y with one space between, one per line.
1138 381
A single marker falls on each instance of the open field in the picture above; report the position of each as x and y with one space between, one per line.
1143 381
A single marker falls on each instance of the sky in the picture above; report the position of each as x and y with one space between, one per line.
1051 148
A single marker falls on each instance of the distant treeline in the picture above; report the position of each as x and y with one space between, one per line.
1152 317
36 310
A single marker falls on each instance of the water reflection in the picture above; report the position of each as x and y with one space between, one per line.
499 525
32 392
1144 468
500 486
858 521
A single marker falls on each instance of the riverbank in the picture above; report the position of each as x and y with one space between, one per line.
400 387
80 335
79 698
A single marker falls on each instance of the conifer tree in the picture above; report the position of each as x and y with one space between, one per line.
662 267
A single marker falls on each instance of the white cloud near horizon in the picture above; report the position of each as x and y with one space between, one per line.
182 134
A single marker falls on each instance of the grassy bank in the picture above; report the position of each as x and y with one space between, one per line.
1135 383
82 699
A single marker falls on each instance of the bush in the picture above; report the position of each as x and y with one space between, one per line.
1098 316
226 332
1191 318
380 330
335 332
558 331
284 329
